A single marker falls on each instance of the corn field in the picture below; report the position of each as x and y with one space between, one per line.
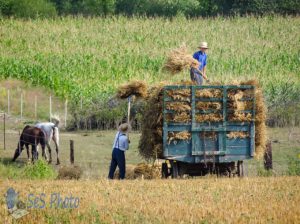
89 57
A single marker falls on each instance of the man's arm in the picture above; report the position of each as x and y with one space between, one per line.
126 143
204 73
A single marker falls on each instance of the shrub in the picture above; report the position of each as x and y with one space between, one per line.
32 9
39 170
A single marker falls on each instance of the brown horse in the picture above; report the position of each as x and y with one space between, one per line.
31 136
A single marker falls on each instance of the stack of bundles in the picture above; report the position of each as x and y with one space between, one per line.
129 174
181 108
147 171
69 173
150 145
260 119
236 105
179 59
203 105
134 88
141 170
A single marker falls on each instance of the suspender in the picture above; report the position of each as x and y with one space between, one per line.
117 142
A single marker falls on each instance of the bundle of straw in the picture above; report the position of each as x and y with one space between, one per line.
208 105
212 117
209 93
174 136
237 134
134 88
178 106
179 59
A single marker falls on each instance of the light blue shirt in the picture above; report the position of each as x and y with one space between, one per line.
121 141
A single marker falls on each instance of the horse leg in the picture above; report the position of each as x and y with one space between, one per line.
27 149
18 150
32 153
44 154
49 149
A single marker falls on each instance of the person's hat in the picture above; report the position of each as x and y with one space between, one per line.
203 45
123 127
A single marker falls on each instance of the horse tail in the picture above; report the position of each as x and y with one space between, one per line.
56 135
56 120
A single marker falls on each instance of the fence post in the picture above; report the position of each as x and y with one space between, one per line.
268 160
72 152
66 112
4 131
50 108
35 107
21 105
8 102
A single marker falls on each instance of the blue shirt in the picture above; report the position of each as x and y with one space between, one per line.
121 141
201 57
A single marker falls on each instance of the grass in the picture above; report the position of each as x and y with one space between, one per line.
208 200
93 150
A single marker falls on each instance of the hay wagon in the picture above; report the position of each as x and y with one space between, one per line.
207 129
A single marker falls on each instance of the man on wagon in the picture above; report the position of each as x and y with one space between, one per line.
199 72
121 144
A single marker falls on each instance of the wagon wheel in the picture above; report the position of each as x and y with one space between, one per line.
240 168
174 169
164 171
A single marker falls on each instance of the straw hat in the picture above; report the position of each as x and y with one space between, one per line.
123 127
203 45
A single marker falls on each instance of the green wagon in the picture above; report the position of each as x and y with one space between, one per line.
209 148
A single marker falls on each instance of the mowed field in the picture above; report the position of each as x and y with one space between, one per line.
93 151
206 200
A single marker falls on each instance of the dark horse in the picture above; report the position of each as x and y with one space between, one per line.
30 136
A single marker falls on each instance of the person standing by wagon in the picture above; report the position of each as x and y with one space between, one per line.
120 145
199 72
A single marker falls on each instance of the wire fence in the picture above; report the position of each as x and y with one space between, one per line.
11 140
26 105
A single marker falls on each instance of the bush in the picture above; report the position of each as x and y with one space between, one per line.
166 8
39 170
85 7
32 9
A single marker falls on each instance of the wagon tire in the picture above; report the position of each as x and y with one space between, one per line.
164 171
174 170
240 168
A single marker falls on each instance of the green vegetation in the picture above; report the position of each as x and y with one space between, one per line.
294 165
39 170
165 8
88 58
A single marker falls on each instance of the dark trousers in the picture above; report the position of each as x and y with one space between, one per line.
196 77
118 159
